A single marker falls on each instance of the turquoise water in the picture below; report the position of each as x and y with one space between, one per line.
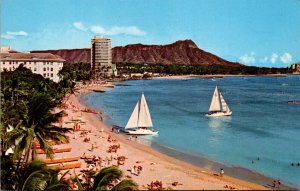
262 125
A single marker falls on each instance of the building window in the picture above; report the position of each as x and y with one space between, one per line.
47 68
48 74
52 75
44 69
44 75
34 69
51 69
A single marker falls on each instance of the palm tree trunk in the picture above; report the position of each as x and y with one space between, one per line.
19 163
28 152
33 151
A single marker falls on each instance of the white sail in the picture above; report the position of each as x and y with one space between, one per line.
144 114
225 107
140 116
215 104
133 120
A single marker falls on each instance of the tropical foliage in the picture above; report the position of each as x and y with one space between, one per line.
27 109
28 118
107 179
36 176
181 69
78 71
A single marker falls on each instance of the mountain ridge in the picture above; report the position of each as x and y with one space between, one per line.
184 52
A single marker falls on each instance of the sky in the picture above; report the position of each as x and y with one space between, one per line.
252 32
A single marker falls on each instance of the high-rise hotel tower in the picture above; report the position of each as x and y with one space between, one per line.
101 63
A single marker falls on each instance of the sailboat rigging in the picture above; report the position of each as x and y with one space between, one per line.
218 105
140 122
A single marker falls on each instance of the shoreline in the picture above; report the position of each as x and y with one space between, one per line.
190 76
182 170
204 164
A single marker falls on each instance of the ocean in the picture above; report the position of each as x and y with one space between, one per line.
262 125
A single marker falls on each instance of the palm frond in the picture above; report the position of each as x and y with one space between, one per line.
106 176
126 185
35 181
80 186
44 145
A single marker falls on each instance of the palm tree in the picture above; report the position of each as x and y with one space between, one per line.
37 126
67 82
107 175
104 180
37 176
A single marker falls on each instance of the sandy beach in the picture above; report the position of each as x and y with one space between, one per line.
154 165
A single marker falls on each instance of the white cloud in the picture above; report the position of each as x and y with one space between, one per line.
7 36
286 58
79 26
131 30
248 58
98 30
117 30
264 59
12 35
273 58
19 33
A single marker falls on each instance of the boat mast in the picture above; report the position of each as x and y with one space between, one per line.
140 116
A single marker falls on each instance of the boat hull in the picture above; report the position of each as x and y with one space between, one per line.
219 114
142 132
294 102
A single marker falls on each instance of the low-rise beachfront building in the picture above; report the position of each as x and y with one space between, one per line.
46 64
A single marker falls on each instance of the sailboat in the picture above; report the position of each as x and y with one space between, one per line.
218 106
140 122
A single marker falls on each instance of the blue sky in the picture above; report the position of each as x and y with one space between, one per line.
252 32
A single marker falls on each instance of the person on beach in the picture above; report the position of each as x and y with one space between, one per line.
99 161
222 172
133 170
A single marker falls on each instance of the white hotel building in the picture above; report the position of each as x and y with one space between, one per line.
46 64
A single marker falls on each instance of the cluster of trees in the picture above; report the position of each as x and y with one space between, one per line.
197 69
28 118
78 71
